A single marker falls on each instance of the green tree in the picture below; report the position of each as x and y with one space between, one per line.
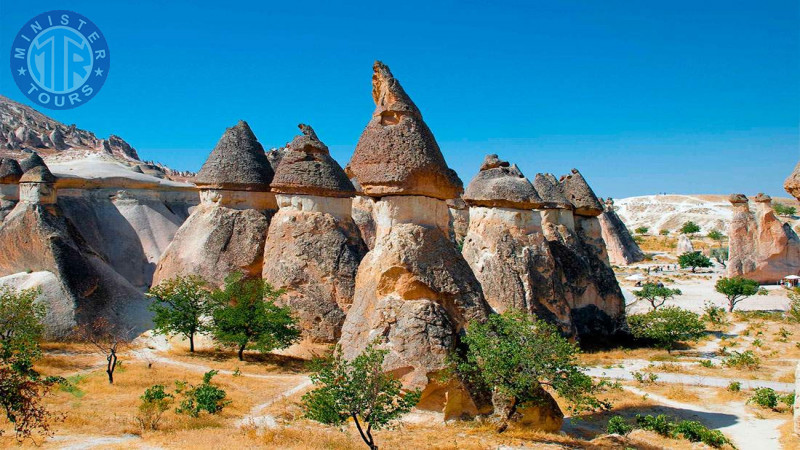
667 326
690 228
784 210
736 289
716 235
179 306
720 255
693 260
245 315
515 356
22 389
641 230
357 389
656 295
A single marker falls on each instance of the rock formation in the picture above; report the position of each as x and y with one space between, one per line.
761 246
684 245
622 249
313 247
797 399
792 183
414 292
506 247
226 232
459 220
10 173
597 307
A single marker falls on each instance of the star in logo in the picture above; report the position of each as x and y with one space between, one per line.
98 72
21 71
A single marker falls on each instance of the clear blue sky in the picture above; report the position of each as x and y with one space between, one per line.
641 96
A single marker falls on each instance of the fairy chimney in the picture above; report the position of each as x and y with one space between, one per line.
37 186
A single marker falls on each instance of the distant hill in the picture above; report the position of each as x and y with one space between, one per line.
660 212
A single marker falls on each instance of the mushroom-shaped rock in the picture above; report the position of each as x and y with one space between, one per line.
10 171
306 167
500 185
39 174
30 162
549 191
737 198
762 198
792 183
578 192
397 153
238 162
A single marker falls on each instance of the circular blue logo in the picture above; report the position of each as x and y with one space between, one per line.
60 59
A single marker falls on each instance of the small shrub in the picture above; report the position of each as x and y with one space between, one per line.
714 314
641 230
206 397
793 314
617 425
784 210
784 334
707 363
743 360
154 402
788 399
645 378
757 343
659 424
694 431
765 398
735 386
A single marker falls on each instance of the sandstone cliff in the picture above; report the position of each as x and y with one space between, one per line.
622 249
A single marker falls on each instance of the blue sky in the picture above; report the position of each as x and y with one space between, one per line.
642 97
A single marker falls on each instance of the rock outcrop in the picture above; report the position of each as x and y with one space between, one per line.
226 232
414 292
597 307
792 183
10 173
506 248
622 249
313 247
762 247
684 245
797 400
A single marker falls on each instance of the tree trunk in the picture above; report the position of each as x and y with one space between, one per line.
241 351
112 364
369 441
191 343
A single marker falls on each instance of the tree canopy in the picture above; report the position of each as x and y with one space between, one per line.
737 289
179 306
667 326
690 228
656 295
693 260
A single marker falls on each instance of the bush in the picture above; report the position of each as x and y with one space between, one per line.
765 398
693 260
690 430
783 210
707 363
659 424
743 360
154 402
793 314
667 326
641 230
664 232
690 228
735 386
206 397
716 235
617 425
715 315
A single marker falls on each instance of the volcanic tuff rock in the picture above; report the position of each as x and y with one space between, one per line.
684 245
577 191
499 185
622 249
226 233
10 171
506 248
313 247
761 246
238 162
34 160
414 292
459 220
792 183
22 127
549 191
397 153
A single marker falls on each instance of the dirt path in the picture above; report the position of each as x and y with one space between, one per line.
258 420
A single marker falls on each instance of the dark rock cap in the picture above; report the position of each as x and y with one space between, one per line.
10 171
549 191
39 174
499 185
397 153
30 162
238 162
737 198
762 198
578 192
306 167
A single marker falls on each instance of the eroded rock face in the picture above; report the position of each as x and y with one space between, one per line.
397 153
511 259
792 183
580 195
622 249
313 253
544 415
684 245
214 242
362 216
762 247
459 220
499 184
237 163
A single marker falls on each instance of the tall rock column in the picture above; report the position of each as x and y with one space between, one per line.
313 247
226 232
414 291
622 249
761 246
10 173
506 247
